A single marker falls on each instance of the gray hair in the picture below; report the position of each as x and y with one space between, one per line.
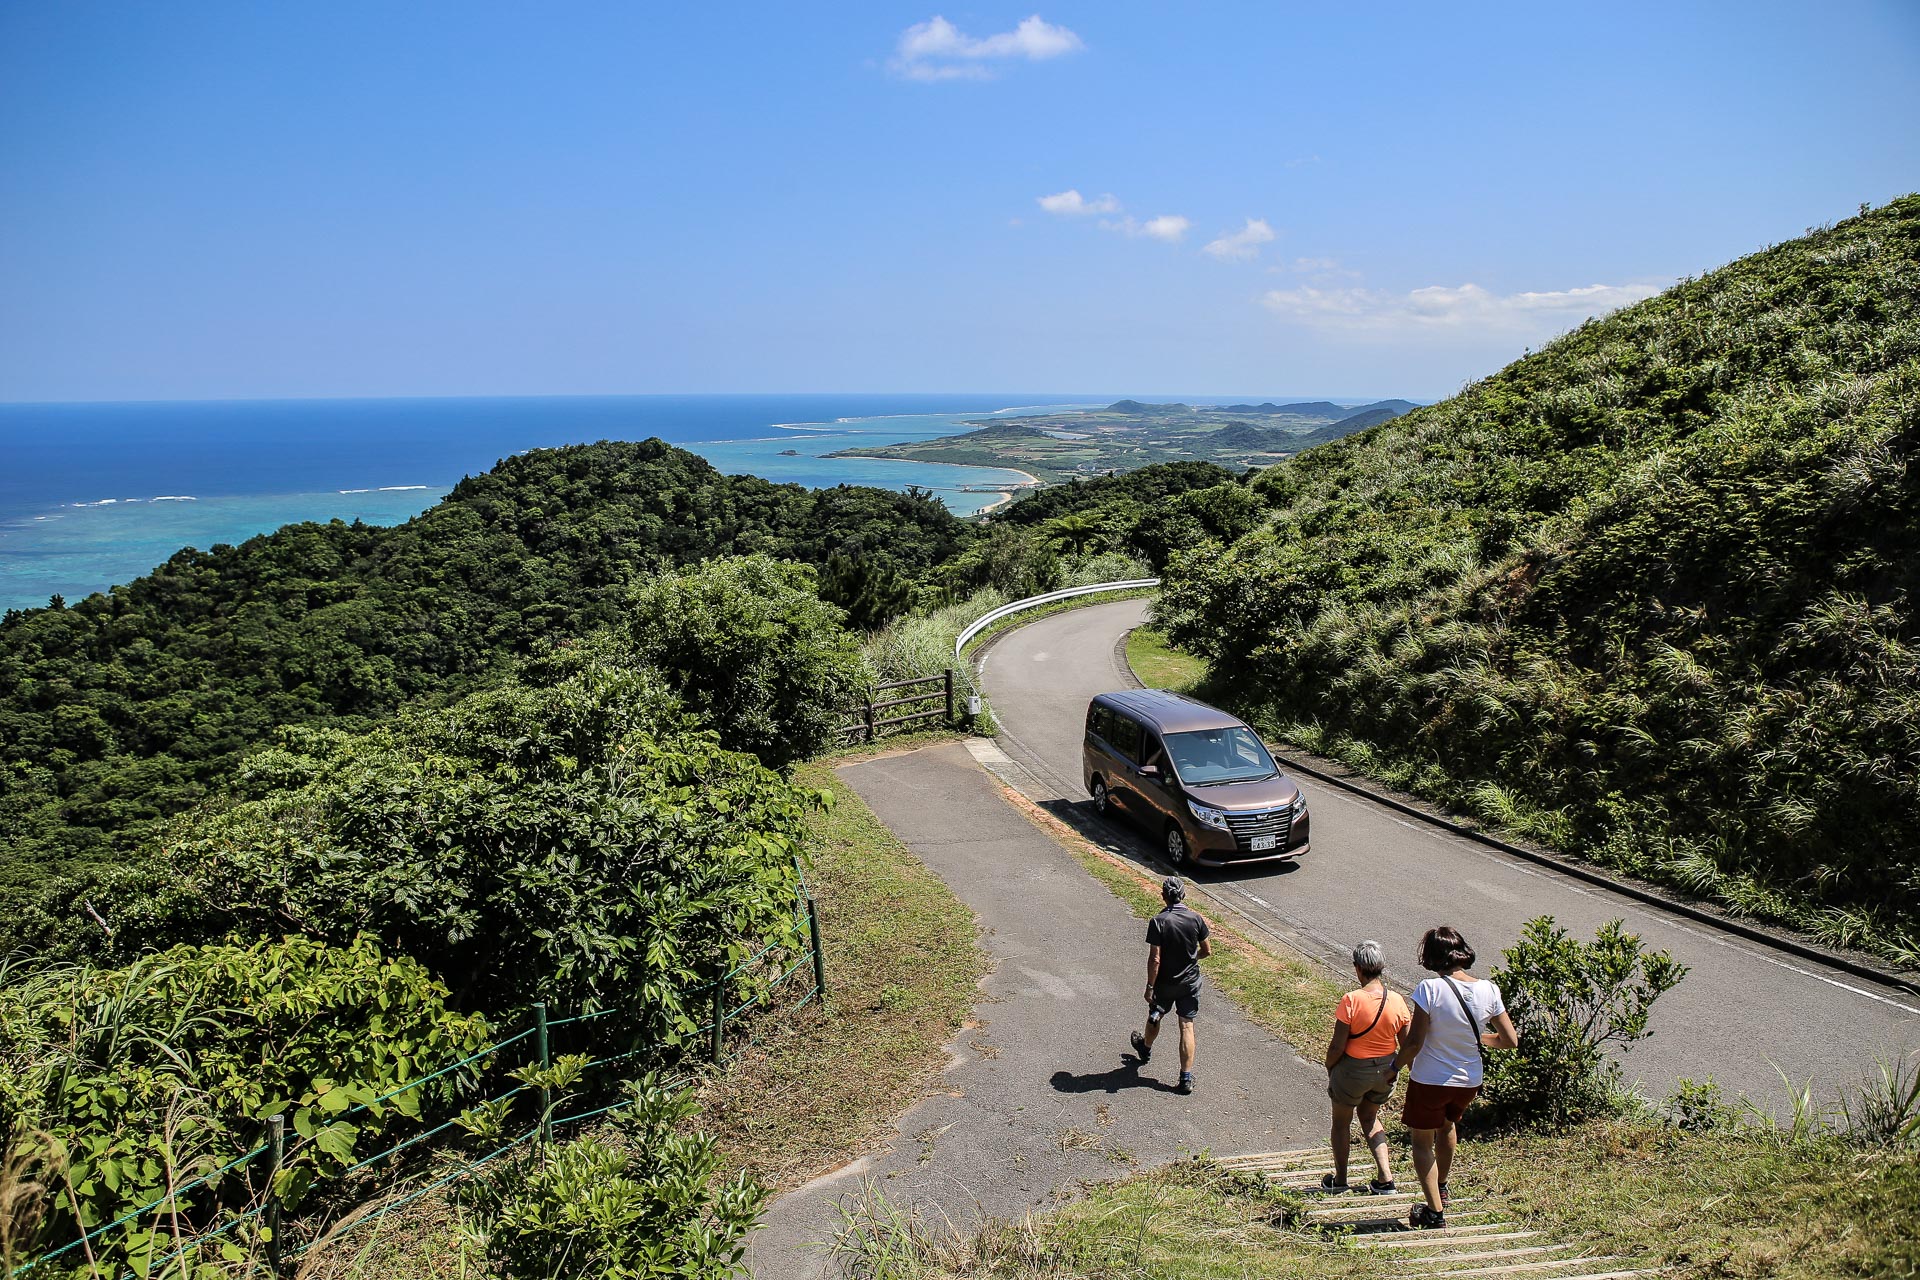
1369 959
1173 889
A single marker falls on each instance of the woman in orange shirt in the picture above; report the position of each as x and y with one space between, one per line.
1369 1025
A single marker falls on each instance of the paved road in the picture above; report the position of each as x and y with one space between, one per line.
1043 1092
1375 873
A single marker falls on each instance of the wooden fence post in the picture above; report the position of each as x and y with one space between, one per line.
719 1014
869 719
949 697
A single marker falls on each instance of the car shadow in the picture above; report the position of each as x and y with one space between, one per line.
1125 1076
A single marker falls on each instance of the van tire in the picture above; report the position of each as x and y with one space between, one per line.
1176 845
1102 799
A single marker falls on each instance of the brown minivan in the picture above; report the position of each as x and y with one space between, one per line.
1195 776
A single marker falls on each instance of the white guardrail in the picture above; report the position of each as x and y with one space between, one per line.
986 620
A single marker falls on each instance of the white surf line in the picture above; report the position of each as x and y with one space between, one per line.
1653 912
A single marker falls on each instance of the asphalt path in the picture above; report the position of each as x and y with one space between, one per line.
1041 1091
1744 1014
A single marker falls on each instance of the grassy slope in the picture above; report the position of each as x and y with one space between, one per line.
1648 595
1159 665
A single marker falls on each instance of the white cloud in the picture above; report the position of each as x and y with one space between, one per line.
938 50
1242 245
1070 203
1170 227
1443 307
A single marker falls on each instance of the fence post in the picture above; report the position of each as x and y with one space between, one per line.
869 719
277 1147
719 1012
819 953
949 697
546 1060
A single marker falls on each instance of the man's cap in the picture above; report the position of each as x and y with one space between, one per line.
1173 889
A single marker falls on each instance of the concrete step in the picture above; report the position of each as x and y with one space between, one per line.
1516 1251
1521 1268
1345 1206
1440 1237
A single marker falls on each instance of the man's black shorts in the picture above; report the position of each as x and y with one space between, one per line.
1183 999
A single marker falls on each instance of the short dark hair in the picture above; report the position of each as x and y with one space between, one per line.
1444 949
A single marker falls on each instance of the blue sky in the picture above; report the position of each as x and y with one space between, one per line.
236 200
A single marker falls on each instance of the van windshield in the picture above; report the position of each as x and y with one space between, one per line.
1208 756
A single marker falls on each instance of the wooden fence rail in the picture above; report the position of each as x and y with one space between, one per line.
870 723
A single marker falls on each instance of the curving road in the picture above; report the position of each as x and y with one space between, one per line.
1375 873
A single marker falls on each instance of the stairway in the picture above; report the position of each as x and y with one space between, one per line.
1475 1242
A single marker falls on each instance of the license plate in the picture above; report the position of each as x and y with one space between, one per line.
1263 843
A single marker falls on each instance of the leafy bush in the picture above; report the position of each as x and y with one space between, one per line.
129 1083
1649 593
1698 1106
748 645
1571 1002
574 842
868 588
635 1204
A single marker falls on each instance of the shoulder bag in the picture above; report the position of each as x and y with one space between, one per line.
1471 1020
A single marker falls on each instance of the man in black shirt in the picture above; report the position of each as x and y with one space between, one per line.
1176 943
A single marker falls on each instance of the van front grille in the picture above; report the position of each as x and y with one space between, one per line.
1263 822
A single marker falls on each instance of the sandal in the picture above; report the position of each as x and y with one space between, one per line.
1328 1184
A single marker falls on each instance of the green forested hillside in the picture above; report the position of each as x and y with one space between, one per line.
131 705
1648 594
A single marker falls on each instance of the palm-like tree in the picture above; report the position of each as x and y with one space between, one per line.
1076 532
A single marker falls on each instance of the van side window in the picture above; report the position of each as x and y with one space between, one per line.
1125 737
1099 722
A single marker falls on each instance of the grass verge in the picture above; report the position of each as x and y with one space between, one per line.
902 975
1158 665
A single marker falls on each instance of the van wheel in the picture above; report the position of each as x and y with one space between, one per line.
1176 845
1102 802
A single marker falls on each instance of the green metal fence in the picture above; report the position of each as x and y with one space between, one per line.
270 1156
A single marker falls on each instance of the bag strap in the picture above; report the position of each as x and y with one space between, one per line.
1471 1020
1377 1013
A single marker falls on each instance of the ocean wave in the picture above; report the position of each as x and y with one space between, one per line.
399 488
174 497
356 491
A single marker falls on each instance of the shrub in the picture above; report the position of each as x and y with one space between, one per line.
1884 1111
575 843
1571 1001
634 1204
1698 1106
127 1083
749 646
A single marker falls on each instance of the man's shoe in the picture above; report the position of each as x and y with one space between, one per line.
1141 1047
1425 1219
1186 1082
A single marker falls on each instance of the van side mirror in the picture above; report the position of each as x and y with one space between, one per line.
1150 770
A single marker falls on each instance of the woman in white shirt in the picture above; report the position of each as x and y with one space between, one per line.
1456 1018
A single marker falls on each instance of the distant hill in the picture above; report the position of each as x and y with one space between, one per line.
1372 416
1650 595
1135 406
1253 439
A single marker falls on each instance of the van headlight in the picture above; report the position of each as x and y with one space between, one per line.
1215 818
1299 804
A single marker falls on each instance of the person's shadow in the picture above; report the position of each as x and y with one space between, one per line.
1125 1076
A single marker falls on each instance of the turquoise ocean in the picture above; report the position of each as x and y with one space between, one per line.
92 495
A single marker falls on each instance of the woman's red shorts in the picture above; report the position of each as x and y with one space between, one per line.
1435 1106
